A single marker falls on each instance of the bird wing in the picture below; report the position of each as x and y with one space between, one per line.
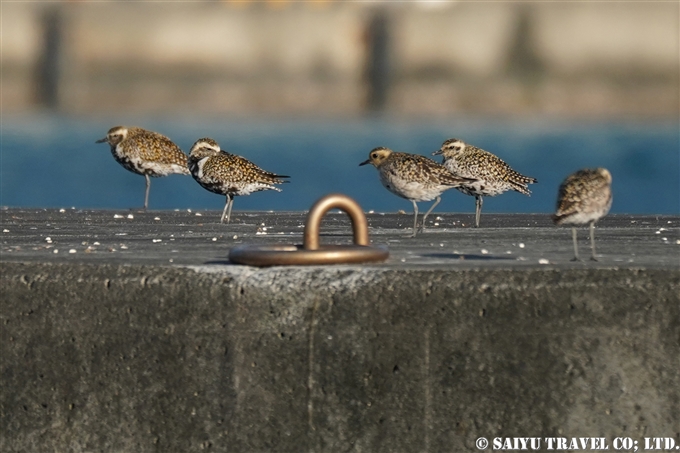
487 166
579 190
240 170
158 148
414 167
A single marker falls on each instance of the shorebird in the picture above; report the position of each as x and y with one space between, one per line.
145 153
228 174
491 175
414 177
584 197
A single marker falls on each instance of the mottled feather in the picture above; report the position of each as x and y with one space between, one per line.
584 196
413 177
228 174
154 147
493 176
225 172
417 168
145 153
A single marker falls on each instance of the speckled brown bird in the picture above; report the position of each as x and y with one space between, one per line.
413 177
492 175
145 153
228 174
584 197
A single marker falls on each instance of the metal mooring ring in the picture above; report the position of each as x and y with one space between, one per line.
311 252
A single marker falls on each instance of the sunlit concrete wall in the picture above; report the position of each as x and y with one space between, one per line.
20 43
209 57
311 58
557 57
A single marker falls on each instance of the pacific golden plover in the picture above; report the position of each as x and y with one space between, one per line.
414 177
145 153
584 197
228 174
491 175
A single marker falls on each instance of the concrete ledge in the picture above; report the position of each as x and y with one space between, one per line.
130 358
139 335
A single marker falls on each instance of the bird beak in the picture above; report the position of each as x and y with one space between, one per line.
102 140
367 161
437 153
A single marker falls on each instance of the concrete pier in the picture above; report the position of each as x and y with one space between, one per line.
138 335
568 58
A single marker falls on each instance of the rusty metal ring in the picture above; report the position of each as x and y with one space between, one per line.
311 252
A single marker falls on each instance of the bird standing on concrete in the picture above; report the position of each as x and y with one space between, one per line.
413 177
491 175
584 197
145 153
228 174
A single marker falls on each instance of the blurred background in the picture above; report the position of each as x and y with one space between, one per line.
307 88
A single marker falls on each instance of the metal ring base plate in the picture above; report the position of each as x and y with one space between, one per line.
275 255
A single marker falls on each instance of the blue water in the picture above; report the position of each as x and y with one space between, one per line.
52 161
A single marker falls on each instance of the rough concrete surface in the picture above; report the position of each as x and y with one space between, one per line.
183 238
123 351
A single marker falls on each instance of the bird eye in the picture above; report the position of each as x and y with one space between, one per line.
374 156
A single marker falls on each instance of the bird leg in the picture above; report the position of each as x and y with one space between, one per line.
478 209
415 218
592 241
429 211
573 235
231 205
227 208
146 197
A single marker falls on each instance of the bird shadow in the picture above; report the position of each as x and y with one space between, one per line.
465 256
222 262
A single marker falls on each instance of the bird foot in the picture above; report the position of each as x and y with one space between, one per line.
576 258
